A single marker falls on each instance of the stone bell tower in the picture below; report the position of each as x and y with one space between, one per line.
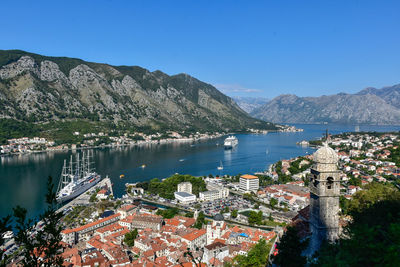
324 197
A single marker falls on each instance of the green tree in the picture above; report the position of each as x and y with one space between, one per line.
255 217
344 204
168 186
234 213
168 213
201 219
118 204
372 193
189 214
93 198
257 256
273 202
4 227
289 250
42 248
372 238
248 196
130 237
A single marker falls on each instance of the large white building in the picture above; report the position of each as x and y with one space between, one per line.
184 197
185 187
215 193
249 183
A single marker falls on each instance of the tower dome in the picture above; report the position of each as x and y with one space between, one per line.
325 155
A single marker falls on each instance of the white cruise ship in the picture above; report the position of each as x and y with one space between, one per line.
76 179
230 142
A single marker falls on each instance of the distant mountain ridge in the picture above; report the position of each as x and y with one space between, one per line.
249 104
369 106
40 89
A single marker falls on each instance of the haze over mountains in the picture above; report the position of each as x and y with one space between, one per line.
249 104
369 106
41 89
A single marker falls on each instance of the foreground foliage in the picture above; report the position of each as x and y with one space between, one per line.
41 247
257 256
290 248
373 237
4 227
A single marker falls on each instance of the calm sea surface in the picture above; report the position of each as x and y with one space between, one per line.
23 177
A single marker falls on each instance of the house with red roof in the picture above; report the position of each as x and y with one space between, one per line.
197 238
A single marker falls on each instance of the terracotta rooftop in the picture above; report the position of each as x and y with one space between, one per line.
195 234
248 176
91 224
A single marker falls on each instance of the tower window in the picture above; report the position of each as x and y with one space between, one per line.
330 182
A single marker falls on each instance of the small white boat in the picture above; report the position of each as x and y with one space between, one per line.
220 167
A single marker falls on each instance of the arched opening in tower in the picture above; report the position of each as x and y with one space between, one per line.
330 182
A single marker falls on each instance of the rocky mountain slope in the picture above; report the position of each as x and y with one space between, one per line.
249 104
41 89
390 94
370 106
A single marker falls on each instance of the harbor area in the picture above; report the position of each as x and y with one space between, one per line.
84 199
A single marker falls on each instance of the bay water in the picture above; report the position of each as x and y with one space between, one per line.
23 177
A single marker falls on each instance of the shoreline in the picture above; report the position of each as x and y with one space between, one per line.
137 143
143 142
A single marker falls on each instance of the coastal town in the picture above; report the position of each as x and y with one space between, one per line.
212 220
100 139
87 140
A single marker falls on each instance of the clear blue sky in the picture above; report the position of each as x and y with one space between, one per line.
253 48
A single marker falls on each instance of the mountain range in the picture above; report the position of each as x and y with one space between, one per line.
369 106
39 88
249 104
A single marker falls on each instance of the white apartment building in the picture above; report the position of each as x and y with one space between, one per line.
216 193
249 183
185 187
184 197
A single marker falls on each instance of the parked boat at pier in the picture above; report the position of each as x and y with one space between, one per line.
77 178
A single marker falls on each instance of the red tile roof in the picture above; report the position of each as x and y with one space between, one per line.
248 176
195 234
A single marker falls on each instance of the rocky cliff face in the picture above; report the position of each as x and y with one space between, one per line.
39 88
370 106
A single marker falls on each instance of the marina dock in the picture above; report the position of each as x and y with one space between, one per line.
83 199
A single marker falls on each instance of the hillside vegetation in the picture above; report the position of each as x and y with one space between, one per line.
40 89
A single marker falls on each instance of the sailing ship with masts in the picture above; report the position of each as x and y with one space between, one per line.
76 177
